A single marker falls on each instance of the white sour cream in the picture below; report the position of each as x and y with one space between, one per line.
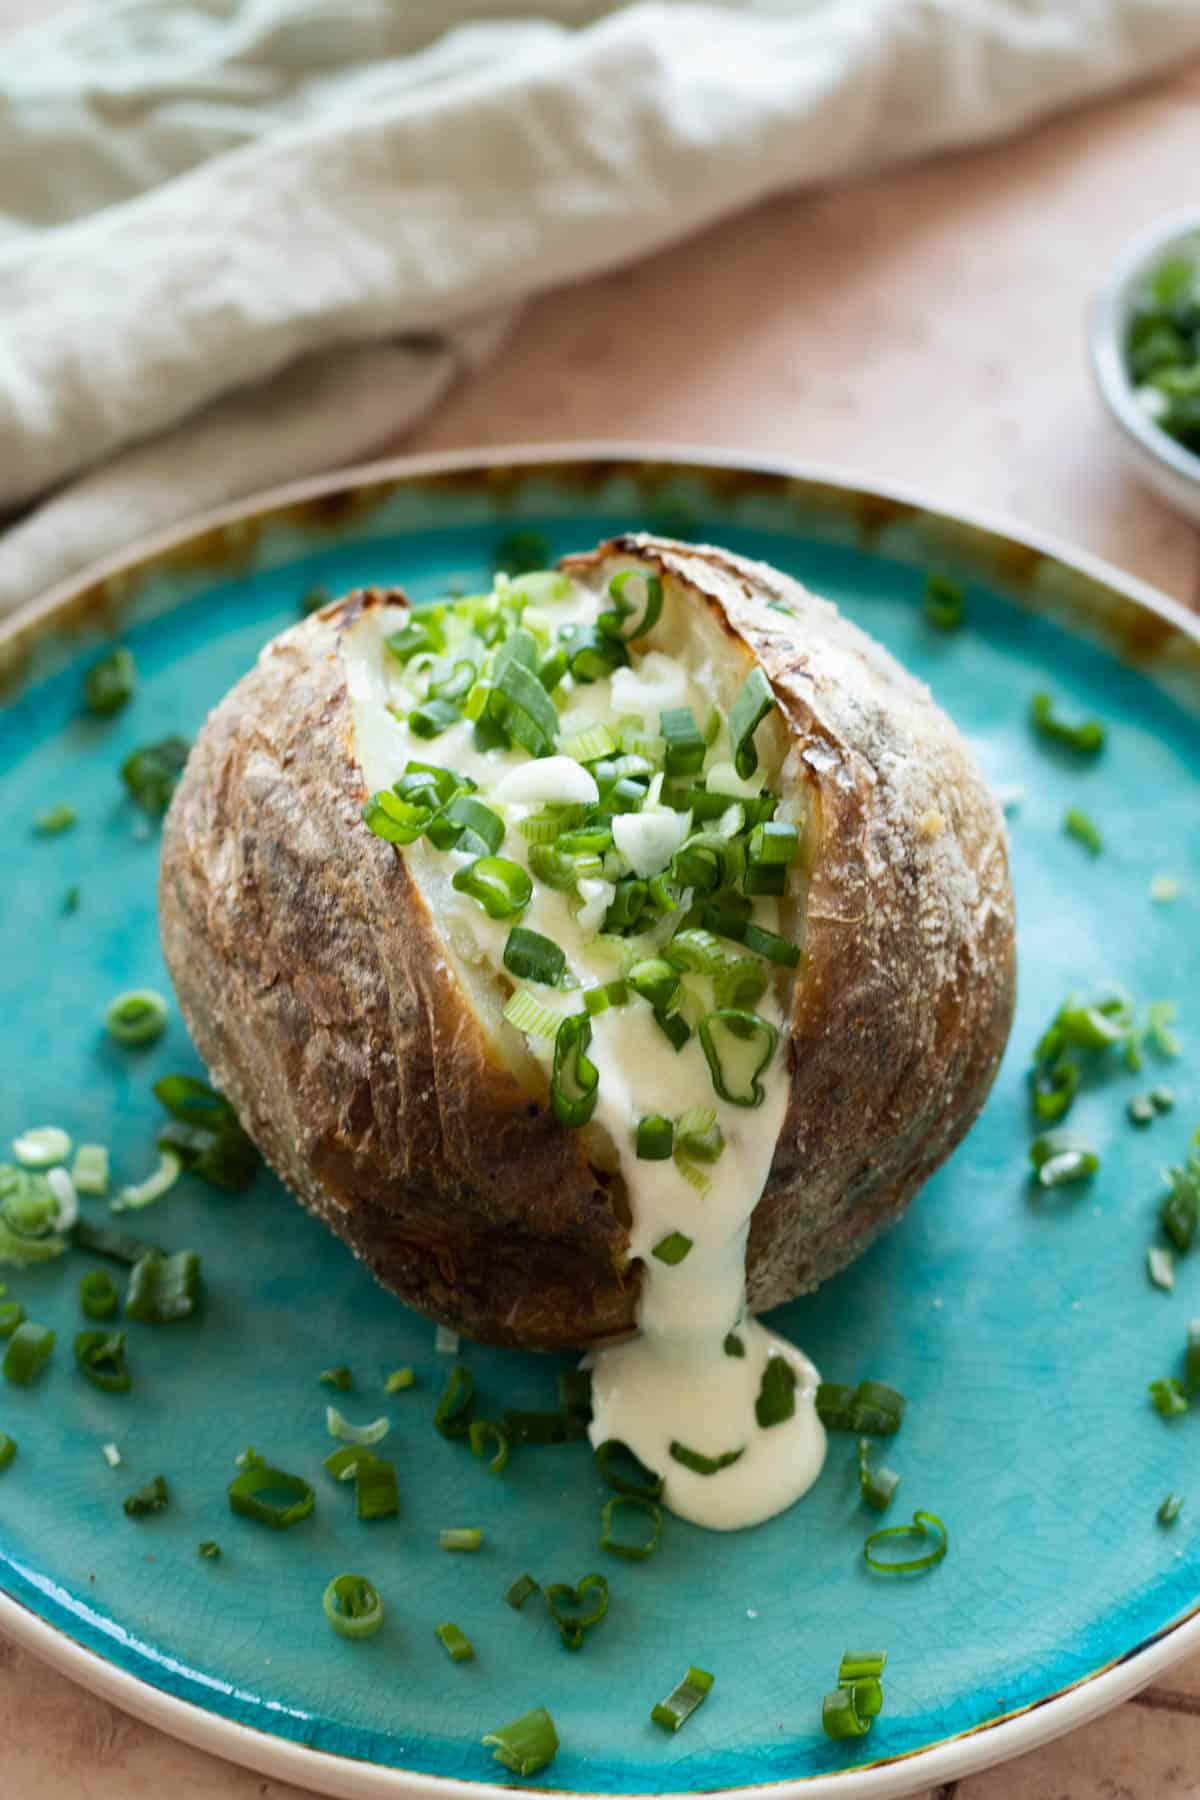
676 1383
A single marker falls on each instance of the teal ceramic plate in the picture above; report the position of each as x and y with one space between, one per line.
1024 1332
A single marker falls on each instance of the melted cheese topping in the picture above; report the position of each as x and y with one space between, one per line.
675 1383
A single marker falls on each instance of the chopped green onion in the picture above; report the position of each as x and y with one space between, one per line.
655 1138
110 683
524 1745
645 615
924 1524
152 773
145 1193
1168 1398
207 1135
394 820
419 637
635 1552
432 717
353 1606
840 1719
153 1498
876 1486
89 1171
457 1645
740 983
725 923
1058 1158
271 1496
209 1550
376 1494
460 1538
683 740
943 602
575 1079
695 952
138 1016
598 999
531 957
569 1608
1086 737
27 1352
102 1240
8 1449
698 1135
71 899
655 980
872 1407
339 1377
518 1592
741 1087
11 1315
164 1289
112 1455
482 1432
776 1394
1143 1109
502 888
619 1467
683 1700
1077 824
699 1464
673 1248
733 1345
55 819
774 844
450 1417
674 1027
528 1014
42 1147
339 1427
591 745
399 1380
1160 1265
467 825
100 1358
521 705
1170 1509
751 707
1192 1363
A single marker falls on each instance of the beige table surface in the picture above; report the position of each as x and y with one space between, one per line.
921 327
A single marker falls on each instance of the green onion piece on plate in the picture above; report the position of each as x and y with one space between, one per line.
11 1315
619 1467
27 1352
1170 1508
518 1591
42 1147
1168 1398
943 602
8 1449
450 1417
877 1487
100 1359
482 1433
573 1611
1059 1158
209 1550
110 683
456 1644
156 1184
103 1240
840 1718
138 1016
338 1377
524 1745
924 1525
164 1289
152 1498
683 740
1086 737
376 1493
271 1496
1160 1266
619 1546
460 1537
353 1606
400 1380
55 819
151 774
683 1700
340 1427
89 1171
1078 825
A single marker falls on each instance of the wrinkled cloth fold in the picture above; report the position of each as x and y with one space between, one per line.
246 240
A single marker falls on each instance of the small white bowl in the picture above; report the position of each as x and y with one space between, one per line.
1167 466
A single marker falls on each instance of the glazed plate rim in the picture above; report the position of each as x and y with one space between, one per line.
968 1753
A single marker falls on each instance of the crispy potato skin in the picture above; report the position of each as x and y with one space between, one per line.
315 986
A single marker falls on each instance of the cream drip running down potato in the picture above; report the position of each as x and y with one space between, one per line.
606 957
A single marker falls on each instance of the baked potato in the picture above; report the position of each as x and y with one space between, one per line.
348 979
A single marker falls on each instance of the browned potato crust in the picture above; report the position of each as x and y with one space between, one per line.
315 985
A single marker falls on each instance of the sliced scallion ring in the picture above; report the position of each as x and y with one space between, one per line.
353 1606
340 1427
644 611
622 1546
724 1035
502 888
575 1079
924 1525
683 1700
524 1745
138 1016
271 1496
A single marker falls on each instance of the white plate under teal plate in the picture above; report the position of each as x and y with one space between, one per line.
1023 1331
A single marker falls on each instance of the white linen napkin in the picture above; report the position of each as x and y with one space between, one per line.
245 240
